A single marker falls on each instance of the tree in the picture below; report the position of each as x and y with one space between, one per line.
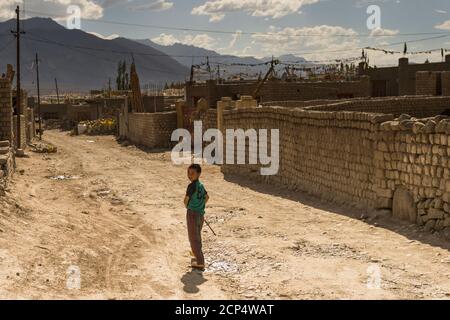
119 76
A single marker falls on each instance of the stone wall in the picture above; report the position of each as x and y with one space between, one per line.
361 158
414 154
153 130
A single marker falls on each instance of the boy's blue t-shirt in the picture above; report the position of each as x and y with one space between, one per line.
197 197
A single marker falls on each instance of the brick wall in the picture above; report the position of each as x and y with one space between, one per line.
427 83
446 83
5 110
153 130
360 158
278 90
325 153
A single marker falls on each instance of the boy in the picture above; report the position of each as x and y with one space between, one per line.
195 202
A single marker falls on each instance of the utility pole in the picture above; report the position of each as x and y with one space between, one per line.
17 34
57 90
39 97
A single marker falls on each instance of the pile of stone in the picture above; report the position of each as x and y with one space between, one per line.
98 127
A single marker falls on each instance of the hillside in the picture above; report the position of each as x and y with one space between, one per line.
64 56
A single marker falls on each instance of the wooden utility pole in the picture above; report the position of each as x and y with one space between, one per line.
39 98
57 90
17 34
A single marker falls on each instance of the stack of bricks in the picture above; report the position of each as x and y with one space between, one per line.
5 110
153 130
427 83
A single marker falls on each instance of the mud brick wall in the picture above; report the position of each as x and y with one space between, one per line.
277 90
446 83
427 83
300 104
419 107
370 160
153 130
327 154
5 110
209 119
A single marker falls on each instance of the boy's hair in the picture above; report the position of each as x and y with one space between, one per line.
196 167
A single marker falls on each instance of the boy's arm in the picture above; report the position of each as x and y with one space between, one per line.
206 198
189 192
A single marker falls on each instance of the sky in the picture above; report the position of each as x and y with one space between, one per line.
315 29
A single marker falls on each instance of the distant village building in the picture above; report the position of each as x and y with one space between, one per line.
402 79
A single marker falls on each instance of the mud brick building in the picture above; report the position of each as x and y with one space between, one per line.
276 90
403 79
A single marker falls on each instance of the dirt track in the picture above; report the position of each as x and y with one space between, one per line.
120 221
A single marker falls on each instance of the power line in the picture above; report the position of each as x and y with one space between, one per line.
240 32
79 49
42 39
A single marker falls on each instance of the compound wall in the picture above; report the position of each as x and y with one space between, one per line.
360 157
153 130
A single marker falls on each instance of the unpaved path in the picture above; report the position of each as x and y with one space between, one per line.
119 221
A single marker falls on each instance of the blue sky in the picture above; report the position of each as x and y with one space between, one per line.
280 24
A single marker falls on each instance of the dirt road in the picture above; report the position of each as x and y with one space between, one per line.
114 216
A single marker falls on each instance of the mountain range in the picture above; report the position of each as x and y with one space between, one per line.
81 61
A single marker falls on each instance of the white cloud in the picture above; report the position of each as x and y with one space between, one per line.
383 32
55 8
440 11
444 26
110 37
319 38
216 9
199 40
159 5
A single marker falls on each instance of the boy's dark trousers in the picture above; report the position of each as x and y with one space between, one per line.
195 222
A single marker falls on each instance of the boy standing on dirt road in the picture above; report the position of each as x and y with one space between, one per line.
195 202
